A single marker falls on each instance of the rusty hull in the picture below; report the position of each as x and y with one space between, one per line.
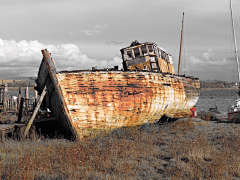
88 101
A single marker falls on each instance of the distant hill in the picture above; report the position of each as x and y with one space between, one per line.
22 78
217 84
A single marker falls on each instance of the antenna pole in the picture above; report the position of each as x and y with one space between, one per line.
180 52
235 44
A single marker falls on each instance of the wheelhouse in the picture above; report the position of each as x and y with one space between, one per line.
146 57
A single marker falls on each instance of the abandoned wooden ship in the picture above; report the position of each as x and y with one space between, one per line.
87 101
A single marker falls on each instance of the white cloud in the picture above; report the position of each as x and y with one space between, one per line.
24 57
208 62
194 60
91 32
222 62
207 54
96 29
70 33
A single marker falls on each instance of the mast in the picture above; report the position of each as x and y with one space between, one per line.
180 52
235 44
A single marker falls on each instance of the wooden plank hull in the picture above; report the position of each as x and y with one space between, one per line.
85 101
234 116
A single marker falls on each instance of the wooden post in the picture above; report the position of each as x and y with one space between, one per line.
1 93
26 98
19 98
5 98
8 104
2 137
11 103
26 93
35 96
35 111
35 100
180 52
20 111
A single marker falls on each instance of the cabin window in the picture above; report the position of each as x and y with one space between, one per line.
129 54
153 59
144 50
136 52
150 49
154 65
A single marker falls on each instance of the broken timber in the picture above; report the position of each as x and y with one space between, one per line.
35 111
10 128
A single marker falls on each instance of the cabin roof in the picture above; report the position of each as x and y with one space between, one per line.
136 43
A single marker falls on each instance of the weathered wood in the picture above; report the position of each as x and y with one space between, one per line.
8 128
20 111
26 98
94 101
180 52
2 137
26 93
19 98
35 99
1 93
5 98
11 103
57 103
35 111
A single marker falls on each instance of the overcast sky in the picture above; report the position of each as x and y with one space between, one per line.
81 34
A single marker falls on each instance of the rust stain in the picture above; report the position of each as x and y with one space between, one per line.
107 100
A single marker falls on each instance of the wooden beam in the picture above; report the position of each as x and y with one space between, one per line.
35 111
5 98
19 98
20 110
180 51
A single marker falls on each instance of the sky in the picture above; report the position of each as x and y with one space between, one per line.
81 34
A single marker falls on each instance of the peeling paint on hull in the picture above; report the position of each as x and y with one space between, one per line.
104 100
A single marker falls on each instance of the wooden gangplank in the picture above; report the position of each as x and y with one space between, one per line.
9 128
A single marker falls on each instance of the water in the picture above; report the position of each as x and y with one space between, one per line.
15 93
222 98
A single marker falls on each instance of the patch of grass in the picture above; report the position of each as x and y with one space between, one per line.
157 151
